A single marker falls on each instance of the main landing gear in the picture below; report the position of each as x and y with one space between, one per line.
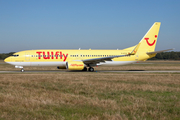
85 69
90 69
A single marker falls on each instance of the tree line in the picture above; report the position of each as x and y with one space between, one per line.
5 55
167 56
159 56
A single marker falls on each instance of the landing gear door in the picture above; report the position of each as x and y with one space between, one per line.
27 56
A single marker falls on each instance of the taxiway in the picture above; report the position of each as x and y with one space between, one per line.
118 71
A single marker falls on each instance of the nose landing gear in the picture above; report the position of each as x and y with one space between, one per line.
22 70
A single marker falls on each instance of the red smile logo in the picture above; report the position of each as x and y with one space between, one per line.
150 44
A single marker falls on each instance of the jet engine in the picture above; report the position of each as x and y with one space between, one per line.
75 65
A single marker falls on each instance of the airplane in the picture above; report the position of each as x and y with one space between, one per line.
86 59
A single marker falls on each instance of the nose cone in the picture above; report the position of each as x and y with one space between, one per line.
7 60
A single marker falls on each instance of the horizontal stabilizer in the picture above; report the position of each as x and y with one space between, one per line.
158 51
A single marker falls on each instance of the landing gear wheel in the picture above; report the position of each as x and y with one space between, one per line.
85 69
91 69
22 70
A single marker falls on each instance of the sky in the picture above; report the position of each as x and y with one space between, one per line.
95 24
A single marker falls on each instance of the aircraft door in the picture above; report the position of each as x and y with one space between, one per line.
27 56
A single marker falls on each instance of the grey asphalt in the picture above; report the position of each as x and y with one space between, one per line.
118 71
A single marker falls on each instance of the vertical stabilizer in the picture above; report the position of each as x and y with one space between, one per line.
148 42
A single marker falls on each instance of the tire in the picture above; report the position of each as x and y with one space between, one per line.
91 69
22 70
85 69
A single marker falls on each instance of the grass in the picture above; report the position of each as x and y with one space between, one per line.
93 96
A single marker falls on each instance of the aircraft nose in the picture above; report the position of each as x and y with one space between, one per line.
7 60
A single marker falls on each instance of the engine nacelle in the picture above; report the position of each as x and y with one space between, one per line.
75 65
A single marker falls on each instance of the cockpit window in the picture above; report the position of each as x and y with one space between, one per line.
15 55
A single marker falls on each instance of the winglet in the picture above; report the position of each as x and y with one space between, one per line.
135 50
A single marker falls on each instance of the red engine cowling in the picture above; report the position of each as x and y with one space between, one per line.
75 65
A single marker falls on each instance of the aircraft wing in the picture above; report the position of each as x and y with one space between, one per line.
102 59
155 52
